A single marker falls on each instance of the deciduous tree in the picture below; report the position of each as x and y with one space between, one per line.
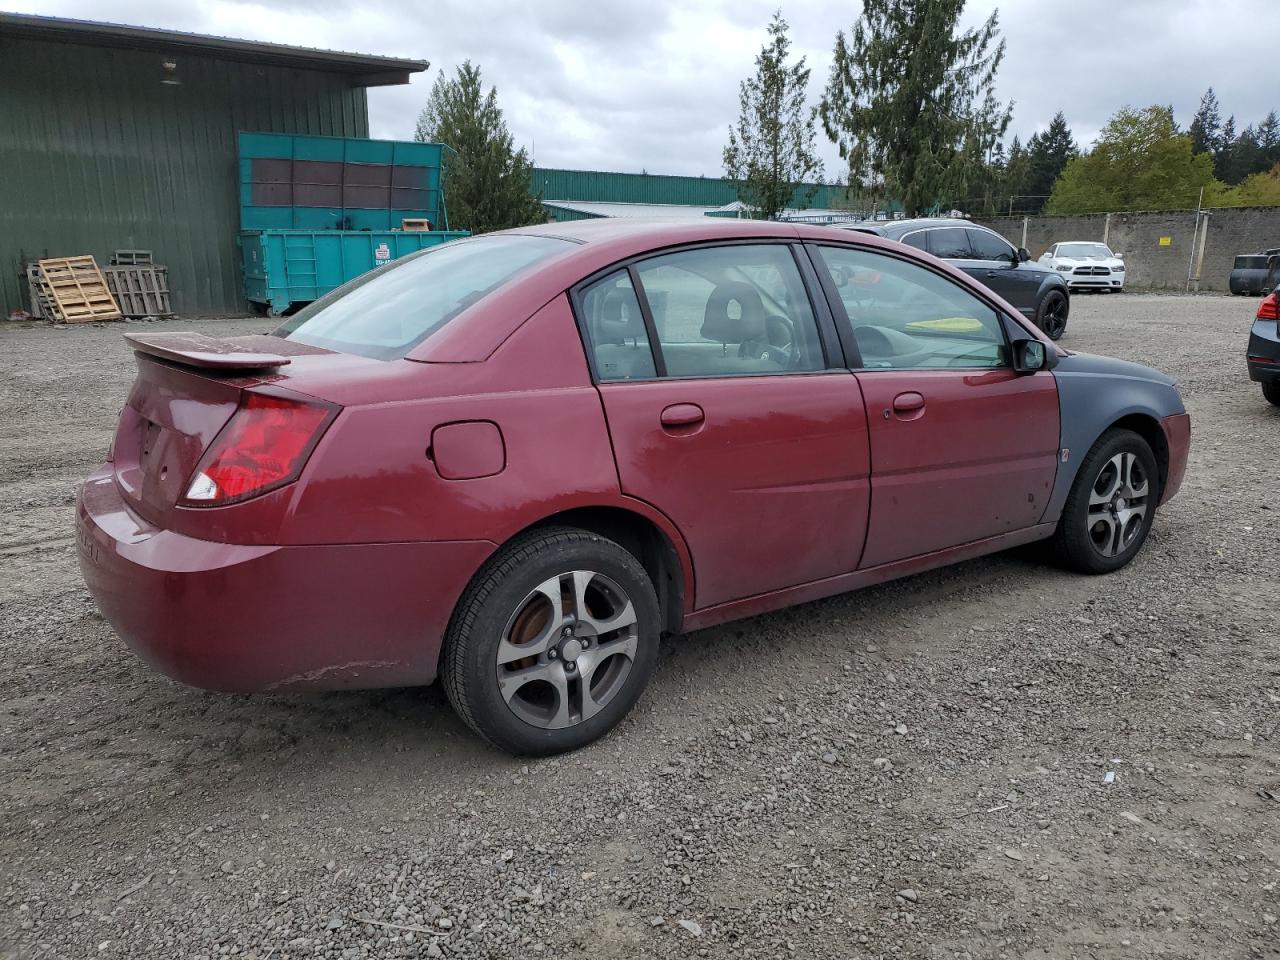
1140 162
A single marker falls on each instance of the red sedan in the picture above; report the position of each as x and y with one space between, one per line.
516 461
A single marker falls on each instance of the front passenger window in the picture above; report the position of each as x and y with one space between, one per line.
905 316
989 247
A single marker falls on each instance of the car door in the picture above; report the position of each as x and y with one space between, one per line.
726 415
1004 271
962 447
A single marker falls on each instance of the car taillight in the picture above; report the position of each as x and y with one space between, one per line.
263 446
1269 308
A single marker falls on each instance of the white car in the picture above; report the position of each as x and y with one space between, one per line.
1086 265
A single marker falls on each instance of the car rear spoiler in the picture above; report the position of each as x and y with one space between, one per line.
206 353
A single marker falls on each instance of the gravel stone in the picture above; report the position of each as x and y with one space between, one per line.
386 816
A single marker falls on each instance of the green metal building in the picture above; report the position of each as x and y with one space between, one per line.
119 137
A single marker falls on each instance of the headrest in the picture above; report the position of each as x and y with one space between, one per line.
620 318
734 314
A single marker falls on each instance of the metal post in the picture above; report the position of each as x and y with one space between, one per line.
1011 206
1204 242
1024 230
1191 262
1106 231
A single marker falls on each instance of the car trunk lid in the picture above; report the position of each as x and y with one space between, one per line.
187 388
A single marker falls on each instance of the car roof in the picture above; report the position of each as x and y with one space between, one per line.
899 228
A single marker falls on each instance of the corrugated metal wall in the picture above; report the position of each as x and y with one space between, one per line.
97 155
600 186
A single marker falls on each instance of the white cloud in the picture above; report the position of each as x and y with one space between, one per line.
653 84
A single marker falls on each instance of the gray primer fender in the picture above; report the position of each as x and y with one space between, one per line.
1093 393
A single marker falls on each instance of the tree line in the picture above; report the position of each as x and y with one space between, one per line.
910 105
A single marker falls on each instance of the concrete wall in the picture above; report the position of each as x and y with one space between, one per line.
1149 265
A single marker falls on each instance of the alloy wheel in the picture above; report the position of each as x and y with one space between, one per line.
567 650
1118 504
1055 317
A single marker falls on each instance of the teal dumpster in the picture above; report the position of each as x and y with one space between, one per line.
316 212
287 267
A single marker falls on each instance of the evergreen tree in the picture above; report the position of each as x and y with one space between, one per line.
1206 126
1047 156
1269 140
1017 175
910 100
486 179
1246 157
771 148
1222 161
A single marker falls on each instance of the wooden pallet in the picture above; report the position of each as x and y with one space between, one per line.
140 291
131 258
76 290
36 294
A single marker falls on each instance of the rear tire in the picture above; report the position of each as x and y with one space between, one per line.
1051 314
1111 506
552 643
1271 392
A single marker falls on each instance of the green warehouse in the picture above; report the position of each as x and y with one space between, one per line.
119 137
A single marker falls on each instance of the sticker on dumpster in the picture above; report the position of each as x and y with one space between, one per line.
381 254
1166 241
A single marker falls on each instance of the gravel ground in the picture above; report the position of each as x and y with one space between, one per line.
914 770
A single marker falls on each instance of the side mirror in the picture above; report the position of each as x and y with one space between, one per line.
1032 355
1118 256
1023 254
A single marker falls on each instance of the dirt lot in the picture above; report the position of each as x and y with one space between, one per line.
916 770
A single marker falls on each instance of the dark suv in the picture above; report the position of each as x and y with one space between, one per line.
1037 292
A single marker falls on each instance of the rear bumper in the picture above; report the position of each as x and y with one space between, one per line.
1177 434
256 618
1263 353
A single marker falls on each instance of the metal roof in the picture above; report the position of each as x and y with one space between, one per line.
365 70
632 210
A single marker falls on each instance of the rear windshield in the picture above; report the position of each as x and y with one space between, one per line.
385 313
1251 263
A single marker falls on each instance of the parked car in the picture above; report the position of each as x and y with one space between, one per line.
1038 293
1263 355
1255 274
514 461
1086 265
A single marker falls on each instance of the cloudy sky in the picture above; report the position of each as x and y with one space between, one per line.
652 84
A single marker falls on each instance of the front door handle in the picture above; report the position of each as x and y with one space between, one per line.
908 402
682 415
992 274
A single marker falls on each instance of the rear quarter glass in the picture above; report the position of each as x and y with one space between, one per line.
385 313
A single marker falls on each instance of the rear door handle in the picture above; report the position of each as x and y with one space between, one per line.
991 273
682 415
907 402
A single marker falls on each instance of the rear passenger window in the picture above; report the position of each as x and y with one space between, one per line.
916 240
731 311
950 243
615 328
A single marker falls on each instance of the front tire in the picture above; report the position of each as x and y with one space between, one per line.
1271 392
1051 314
552 643
1111 506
